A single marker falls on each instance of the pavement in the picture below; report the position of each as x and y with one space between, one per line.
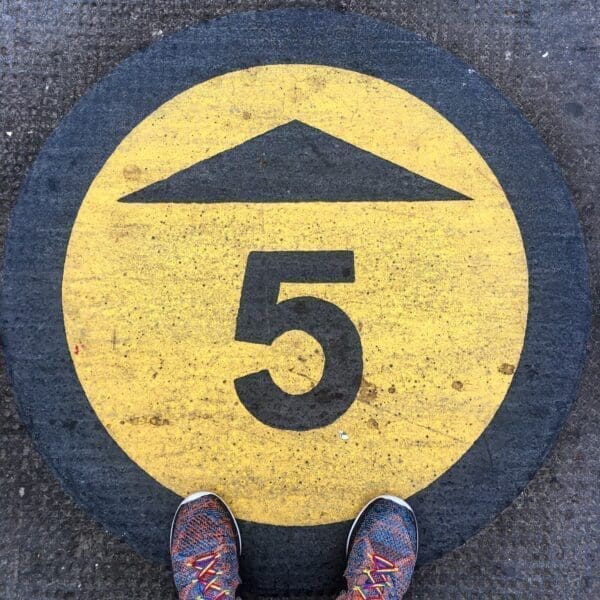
543 56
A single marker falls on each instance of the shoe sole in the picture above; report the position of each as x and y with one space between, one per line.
394 499
197 496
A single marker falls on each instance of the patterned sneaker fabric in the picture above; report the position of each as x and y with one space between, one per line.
383 553
204 551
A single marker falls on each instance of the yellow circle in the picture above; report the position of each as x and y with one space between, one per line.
151 294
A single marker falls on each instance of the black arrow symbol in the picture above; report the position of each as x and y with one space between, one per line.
294 163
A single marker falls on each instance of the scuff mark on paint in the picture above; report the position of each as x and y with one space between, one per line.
506 369
367 392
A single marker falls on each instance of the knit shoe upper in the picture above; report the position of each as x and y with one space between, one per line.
383 552
204 550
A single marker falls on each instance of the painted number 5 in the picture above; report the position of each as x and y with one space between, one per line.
261 319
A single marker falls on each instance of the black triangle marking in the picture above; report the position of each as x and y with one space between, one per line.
293 163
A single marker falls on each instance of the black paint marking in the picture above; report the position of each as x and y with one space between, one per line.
294 163
261 320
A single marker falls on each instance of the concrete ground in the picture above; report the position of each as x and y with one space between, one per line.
545 56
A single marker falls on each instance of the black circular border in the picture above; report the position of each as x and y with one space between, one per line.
65 429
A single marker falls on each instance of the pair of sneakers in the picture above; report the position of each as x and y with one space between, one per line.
206 545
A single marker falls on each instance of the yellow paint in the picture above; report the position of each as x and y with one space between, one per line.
151 293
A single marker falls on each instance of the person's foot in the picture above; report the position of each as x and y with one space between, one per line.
205 545
382 550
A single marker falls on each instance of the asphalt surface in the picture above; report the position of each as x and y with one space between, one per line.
543 56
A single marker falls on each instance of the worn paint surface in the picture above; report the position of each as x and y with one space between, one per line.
49 370
151 294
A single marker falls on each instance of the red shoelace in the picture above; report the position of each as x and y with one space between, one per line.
207 576
377 578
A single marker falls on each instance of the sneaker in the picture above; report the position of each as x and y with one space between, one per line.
382 550
205 545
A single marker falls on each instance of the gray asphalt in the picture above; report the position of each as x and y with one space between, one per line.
545 56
